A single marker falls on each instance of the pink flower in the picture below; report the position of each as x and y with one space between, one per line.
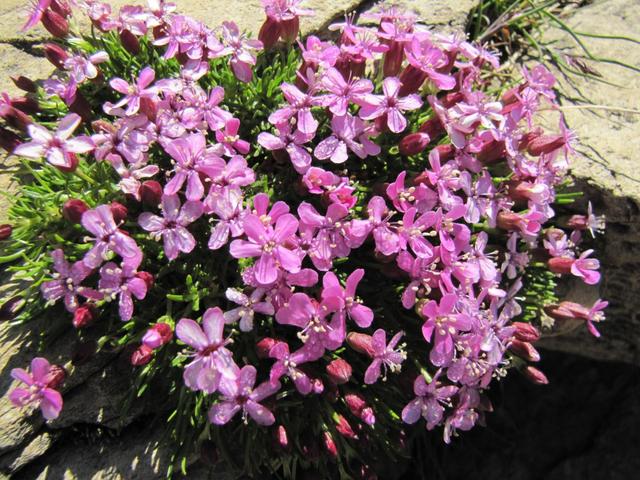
242 57
353 307
341 92
240 394
230 140
268 243
429 402
108 238
390 105
56 147
287 364
300 105
249 305
172 226
227 205
349 133
192 161
82 68
131 173
291 143
327 232
385 356
445 322
67 282
586 268
212 360
123 283
133 93
39 389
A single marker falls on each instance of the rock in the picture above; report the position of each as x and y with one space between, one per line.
447 14
13 462
608 171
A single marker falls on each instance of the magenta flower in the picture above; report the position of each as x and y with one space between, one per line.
227 205
240 394
133 93
341 92
359 313
38 8
229 139
212 361
300 105
291 143
172 226
200 106
429 402
108 238
241 50
596 315
317 53
390 105
82 68
327 233
131 173
192 161
586 268
317 180
454 237
412 232
287 364
67 282
56 147
385 356
426 58
403 198
445 322
348 133
249 305
270 245
266 214
123 283
38 390
386 239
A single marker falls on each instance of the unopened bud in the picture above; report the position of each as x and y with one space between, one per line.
151 193
17 119
73 209
27 105
330 445
344 428
535 376
55 24
130 42
56 55
339 371
84 315
269 33
263 347
358 406
414 143
119 212
289 29
412 79
61 7
524 350
55 377
432 127
560 265
545 144
141 356
361 343
526 332
158 335
5 231
393 59
281 437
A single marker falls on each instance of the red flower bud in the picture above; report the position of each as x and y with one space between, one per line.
330 445
578 222
141 356
393 59
130 42
73 209
55 24
361 343
263 347
5 231
158 335
451 99
8 140
17 119
432 127
561 265
567 311
82 107
56 55
147 278
535 376
524 350
289 29
151 193
281 438
545 144
84 315
447 151
102 126
55 377
412 79
27 105
491 152
339 371
61 7
344 428
269 33
526 332
358 406
414 143
119 212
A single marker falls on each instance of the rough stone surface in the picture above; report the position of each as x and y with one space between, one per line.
608 172
437 13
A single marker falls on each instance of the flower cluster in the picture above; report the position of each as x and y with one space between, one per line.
415 183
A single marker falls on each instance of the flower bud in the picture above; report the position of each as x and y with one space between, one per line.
263 347
361 343
73 164
561 265
281 438
82 107
141 356
578 222
330 445
73 209
56 55
61 7
8 140
102 126
358 406
289 29
414 143
119 212
130 42
84 315
158 335
567 311
432 127
17 119
412 79
55 24
491 152
446 151
535 376
393 59
147 278
545 144
524 350
339 371
344 428
27 105
526 332
151 193
56 376
269 33
5 231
